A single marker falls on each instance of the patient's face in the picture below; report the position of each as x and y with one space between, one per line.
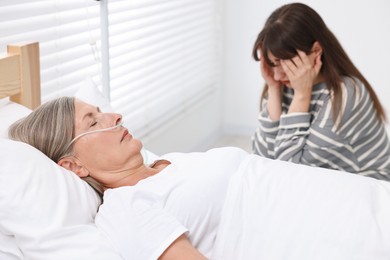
104 153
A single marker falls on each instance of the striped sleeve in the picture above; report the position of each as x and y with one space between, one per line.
263 141
291 139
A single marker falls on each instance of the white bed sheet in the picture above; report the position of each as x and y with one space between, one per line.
282 211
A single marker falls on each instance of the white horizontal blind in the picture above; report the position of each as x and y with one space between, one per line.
162 59
162 52
67 31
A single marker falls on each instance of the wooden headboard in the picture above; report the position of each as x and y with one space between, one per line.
20 74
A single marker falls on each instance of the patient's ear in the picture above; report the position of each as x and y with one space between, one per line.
73 165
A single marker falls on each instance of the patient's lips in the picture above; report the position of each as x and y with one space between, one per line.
125 135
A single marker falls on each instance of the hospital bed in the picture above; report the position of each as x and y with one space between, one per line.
274 210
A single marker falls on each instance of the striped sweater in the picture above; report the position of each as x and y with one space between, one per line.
359 145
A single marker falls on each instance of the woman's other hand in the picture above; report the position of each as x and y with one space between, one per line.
302 72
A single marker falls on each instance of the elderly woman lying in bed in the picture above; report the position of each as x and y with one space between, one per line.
170 209
163 200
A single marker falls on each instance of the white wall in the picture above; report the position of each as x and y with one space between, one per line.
362 27
195 130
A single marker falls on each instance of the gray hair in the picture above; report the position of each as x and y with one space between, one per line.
50 128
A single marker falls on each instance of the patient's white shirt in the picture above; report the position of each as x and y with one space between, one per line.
187 196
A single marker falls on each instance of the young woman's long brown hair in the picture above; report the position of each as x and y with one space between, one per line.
297 26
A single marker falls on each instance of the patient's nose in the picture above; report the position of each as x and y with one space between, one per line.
117 118
110 119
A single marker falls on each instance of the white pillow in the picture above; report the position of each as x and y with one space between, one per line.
9 113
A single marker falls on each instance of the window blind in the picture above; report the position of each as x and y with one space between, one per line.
162 59
68 32
162 53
